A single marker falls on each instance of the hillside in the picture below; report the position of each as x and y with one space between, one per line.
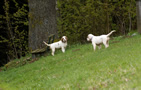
117 67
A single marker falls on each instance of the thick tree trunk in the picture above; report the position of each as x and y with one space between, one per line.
138 3
42 22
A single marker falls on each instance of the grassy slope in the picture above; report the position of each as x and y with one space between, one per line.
117 67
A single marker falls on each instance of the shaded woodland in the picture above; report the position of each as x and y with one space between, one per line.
14 29
75 19
95 16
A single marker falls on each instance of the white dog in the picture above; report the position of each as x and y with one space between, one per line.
98 40
60 44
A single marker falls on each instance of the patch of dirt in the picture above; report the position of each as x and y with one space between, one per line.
33 60
115 41
0 71
127 36
75 50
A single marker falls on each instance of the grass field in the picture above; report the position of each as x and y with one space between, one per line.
116 68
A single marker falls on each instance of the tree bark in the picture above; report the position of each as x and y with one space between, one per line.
42 22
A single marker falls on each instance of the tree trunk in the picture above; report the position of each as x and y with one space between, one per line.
130 19
10 32
107 16
42 23
138 3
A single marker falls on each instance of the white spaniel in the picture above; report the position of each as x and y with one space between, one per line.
98 40
60 44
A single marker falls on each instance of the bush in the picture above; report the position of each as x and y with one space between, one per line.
77 18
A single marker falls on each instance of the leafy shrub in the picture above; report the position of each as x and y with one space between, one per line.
77 18
15 29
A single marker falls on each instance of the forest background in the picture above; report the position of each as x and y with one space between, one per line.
75 19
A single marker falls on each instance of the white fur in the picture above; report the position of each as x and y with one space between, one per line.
98 40
60 44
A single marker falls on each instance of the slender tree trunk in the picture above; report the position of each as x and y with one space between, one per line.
10 32
42 22
138 3
107 17
130 20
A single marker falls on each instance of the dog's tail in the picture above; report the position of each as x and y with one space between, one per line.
111 33
46 43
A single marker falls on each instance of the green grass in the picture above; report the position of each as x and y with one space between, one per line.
117 68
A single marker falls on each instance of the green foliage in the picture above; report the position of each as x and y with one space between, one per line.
77 18
15 28
116 67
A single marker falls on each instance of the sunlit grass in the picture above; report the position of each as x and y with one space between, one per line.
117 67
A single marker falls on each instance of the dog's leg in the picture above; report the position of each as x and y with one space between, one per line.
63 49
94 46
53 50
106 44
99 46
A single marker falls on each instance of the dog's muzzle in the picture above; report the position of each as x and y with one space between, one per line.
88 39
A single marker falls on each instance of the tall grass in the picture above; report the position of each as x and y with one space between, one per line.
80 67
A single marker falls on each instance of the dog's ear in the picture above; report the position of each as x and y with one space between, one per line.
62 39
66 37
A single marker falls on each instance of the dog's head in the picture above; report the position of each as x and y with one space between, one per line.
64 39
89 37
